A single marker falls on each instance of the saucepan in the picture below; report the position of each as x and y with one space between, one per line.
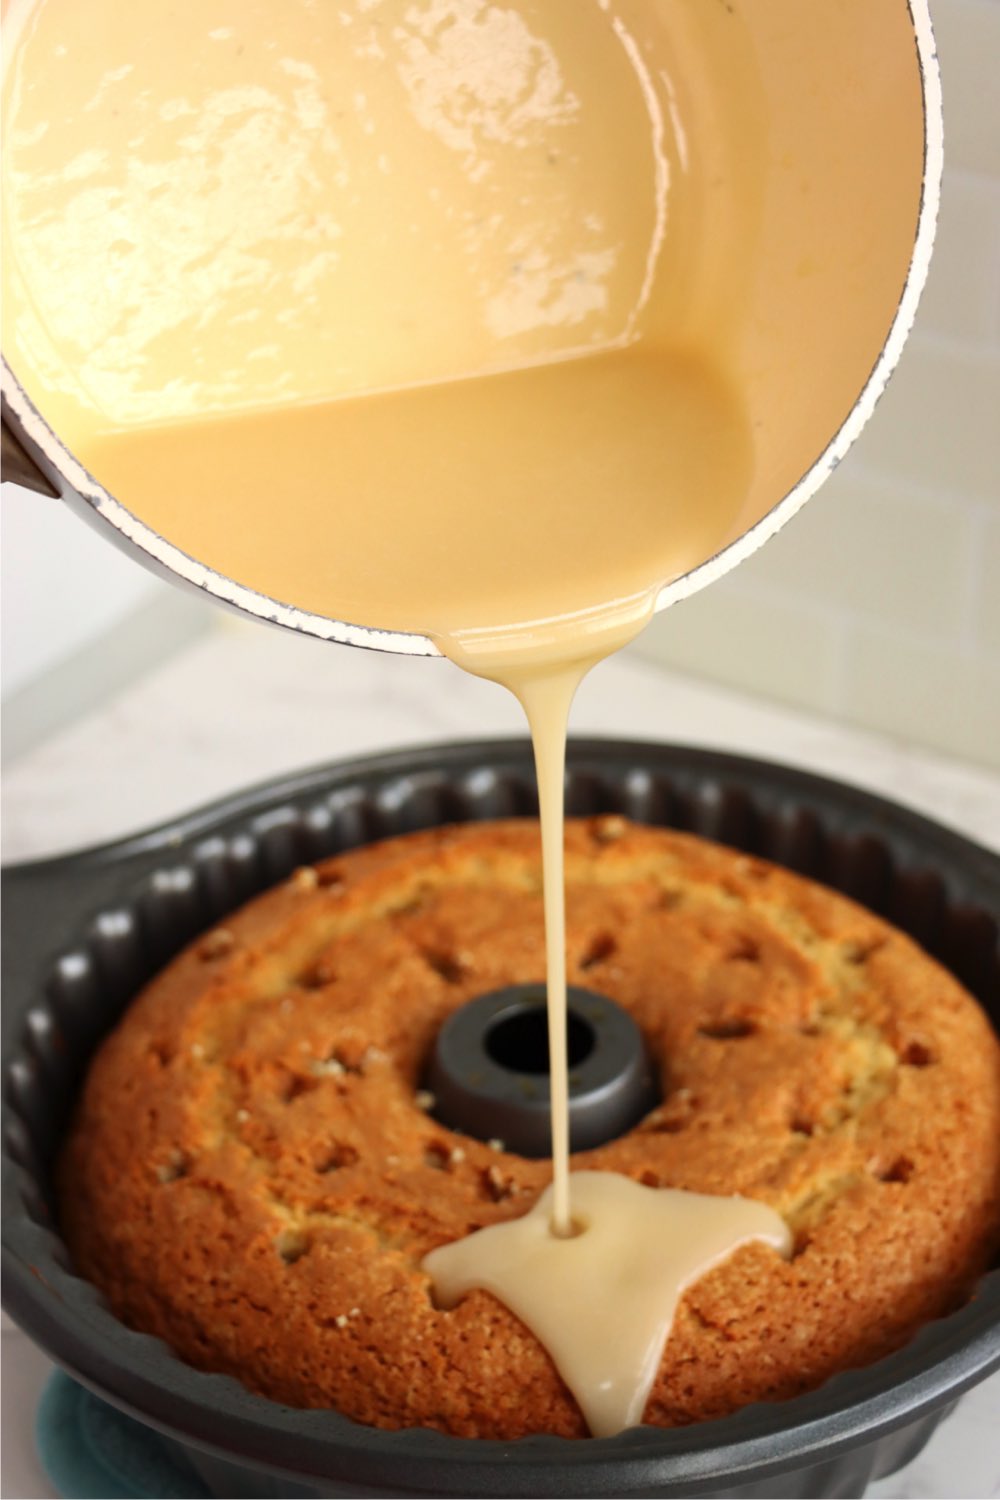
844 101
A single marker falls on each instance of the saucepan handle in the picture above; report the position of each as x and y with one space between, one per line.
16 466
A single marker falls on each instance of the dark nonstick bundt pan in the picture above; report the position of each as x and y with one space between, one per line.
82 933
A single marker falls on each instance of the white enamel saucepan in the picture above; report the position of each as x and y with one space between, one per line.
845 97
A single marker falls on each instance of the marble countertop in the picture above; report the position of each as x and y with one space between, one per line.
245 703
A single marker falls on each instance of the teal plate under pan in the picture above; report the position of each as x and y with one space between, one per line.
91 1451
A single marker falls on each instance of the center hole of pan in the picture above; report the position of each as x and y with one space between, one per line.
519 1041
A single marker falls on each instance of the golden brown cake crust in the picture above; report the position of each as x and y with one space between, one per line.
251 1177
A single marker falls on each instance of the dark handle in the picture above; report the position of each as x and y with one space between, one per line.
16 466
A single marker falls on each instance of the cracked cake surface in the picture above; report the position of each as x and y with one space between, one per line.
254 1175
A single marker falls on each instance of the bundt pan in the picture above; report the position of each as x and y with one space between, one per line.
84 932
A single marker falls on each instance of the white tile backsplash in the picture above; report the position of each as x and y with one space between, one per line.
864 547
968 39
962 298
924 691
880 603
938 423
985 623
764 630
